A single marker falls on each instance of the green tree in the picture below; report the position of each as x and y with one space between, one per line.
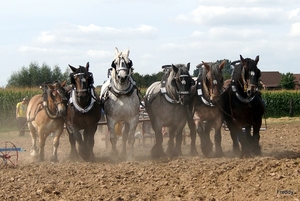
34 75
287 81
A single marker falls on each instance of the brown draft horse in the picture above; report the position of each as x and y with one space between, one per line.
243 106
206 103
83 113
45 113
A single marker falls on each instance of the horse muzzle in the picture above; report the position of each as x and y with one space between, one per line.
251 90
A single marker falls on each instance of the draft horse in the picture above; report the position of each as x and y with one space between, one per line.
243 106
166 103
207 106
83 113
45 115
121 101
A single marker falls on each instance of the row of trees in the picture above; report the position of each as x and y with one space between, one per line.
34 75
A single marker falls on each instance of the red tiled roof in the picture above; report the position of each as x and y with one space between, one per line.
271 78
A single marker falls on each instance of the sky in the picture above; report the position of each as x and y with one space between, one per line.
157 32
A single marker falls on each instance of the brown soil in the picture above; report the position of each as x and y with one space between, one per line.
273 176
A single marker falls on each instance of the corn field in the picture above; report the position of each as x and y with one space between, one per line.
278 103
8 101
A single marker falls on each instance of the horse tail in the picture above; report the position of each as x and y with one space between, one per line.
118 128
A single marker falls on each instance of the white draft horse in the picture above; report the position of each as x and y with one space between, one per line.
121 102
45 115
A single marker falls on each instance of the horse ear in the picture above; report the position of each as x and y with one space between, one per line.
242 60
116 51
63 83
175 69
221 66
257 59
73 68
206 66
188 66
87 66
127 52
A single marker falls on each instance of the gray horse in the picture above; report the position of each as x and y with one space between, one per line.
121 101
166 102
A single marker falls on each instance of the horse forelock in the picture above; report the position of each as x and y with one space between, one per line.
121 55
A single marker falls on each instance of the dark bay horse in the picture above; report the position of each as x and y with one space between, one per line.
166 103
45 115
84 113
121 102
243 106
207 106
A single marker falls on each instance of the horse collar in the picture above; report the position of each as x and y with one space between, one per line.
128 91
199 87
73 101
164 92
239 97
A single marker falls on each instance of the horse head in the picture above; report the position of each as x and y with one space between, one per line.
57 99
249 75
181 81
212 80
82 80
121 67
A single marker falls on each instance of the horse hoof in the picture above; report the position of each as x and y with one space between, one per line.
194 152
206 149
219 154
54 160
256 151
157 152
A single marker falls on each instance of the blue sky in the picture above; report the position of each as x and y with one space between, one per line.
156 32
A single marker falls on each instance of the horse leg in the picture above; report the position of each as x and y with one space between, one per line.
204 134
34 150
113 137
256 149
170 147
73 154
177 151
218 139
233 133
123 154
192 126
56 144
243 139
131 137
89 135
42 140
157 150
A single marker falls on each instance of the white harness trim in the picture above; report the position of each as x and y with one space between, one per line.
73 101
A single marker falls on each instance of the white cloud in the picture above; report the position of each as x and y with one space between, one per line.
100 54
214 15
91 34
295 30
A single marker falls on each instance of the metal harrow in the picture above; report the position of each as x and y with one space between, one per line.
9 154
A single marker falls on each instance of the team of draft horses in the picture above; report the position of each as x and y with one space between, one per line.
171 102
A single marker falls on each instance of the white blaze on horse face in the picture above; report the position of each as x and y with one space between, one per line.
215 82
252 73
183 82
